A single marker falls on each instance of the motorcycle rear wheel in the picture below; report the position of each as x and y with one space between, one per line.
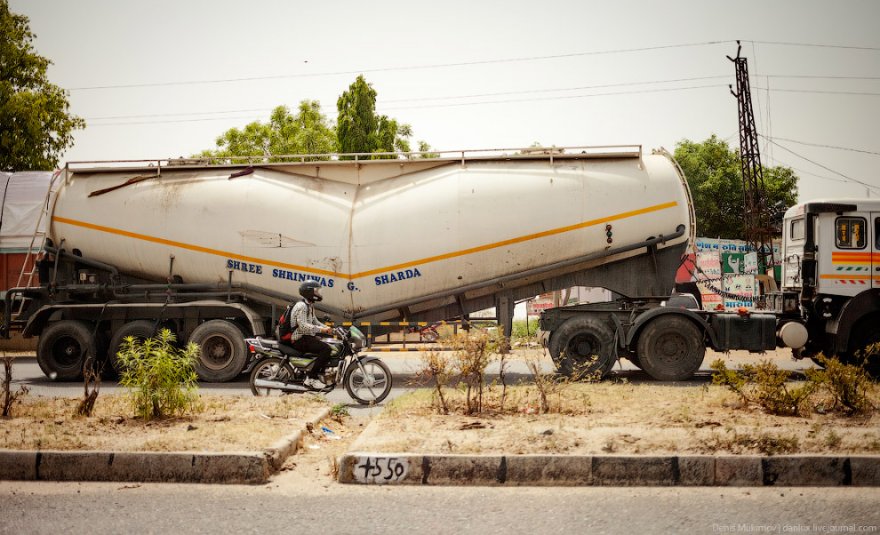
270 369
368 382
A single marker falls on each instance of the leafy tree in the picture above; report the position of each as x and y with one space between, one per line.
359 129
425 150
714 175
307 132
35 125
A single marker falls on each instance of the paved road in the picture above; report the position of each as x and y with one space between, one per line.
27 372
403 367
280 507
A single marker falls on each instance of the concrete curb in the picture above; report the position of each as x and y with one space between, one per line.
609 470
287 446
169 467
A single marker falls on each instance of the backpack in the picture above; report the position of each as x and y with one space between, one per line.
284 330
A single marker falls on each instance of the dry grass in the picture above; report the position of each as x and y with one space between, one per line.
226 423
609 418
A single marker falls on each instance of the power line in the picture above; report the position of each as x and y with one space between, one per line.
822 92
816 45
456 64
801 171
484 95
818 76
570 97
400 68
449 105
851 179
423 99
768 138
580 88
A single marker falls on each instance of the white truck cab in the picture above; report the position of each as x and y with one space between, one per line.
831 258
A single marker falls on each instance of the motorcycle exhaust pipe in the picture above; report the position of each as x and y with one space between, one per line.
278 385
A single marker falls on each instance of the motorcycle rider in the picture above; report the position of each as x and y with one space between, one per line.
307 326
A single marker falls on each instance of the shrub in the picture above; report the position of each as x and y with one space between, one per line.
436 369
473 352
91 387
849 386
159 377
10 397
525 330
767 386
339 411
550 386
465 368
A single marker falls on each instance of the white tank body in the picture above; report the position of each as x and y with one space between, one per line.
375 234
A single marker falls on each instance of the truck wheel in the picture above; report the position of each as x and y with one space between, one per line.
867 333
139 329
222 353
583 346
63 349
671 348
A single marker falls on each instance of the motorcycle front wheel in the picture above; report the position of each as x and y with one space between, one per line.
367 382
265 372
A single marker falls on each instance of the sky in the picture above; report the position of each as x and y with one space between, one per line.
165 78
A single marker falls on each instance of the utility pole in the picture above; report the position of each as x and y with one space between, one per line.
755 210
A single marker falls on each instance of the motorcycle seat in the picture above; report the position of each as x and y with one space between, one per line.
289 351
283 348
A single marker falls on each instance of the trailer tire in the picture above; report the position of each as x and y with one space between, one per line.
63 349
583 346
222 351
138 329
671 348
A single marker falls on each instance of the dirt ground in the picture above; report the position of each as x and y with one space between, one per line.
616 418
225 423
622 415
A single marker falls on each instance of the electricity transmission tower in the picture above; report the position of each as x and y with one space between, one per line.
755 210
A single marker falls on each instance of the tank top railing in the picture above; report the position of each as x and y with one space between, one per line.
528 153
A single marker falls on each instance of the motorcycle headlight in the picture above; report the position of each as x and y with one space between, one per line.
358 340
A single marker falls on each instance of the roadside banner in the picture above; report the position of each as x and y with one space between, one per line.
732 263
740 290
709 264
750 263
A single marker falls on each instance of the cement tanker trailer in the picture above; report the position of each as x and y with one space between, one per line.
213 252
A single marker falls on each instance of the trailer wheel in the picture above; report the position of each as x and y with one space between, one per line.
671 348
583 346
222 352
139 329
63 349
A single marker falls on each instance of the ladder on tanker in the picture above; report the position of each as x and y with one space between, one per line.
38 239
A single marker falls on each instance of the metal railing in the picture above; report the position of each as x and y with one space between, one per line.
548 153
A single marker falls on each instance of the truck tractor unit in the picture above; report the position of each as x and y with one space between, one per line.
829 304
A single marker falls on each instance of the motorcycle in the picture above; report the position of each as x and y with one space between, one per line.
426 334
280 369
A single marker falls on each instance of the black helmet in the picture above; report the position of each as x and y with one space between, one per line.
311 291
